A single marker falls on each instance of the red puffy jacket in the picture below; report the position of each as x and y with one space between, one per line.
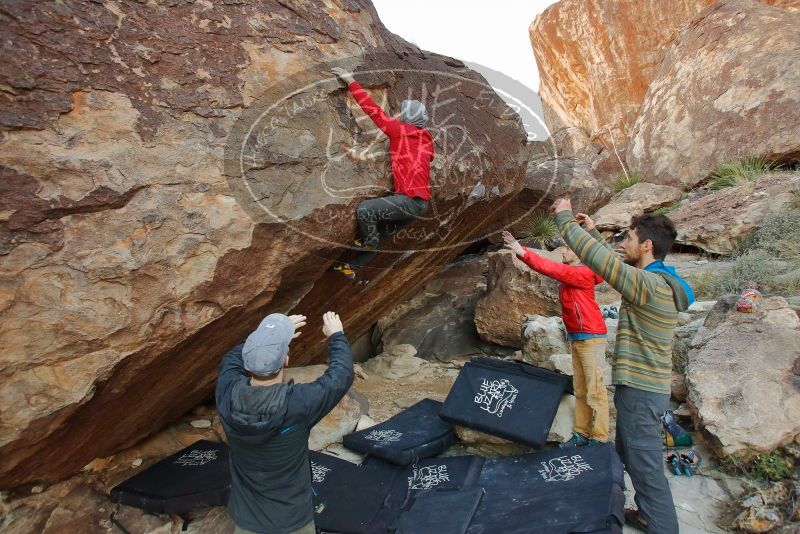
411 148
579 310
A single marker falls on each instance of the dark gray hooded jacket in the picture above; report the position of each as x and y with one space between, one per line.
267 430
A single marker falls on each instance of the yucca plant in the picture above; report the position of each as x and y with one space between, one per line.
666 209
739 171
541 228
626 180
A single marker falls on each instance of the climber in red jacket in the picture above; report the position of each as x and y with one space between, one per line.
586 330
411 150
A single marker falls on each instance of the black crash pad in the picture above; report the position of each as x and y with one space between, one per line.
194 478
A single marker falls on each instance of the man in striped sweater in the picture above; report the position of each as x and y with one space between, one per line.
652 296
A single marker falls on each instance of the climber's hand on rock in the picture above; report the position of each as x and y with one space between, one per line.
512 243
299 322
561 204
331 324
585 220
343 75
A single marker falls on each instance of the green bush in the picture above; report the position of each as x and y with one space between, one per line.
779 236
770 258
541 227
624 181
739 171
768 466
666 209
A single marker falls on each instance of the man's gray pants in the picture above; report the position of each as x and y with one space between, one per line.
639 444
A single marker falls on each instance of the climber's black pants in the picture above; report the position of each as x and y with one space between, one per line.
379 217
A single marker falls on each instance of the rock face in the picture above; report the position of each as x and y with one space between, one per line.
341 420
439 321
596 59
514 290
165 186
541 338
743 378
398 361
715 222
635 200
732 77
549 177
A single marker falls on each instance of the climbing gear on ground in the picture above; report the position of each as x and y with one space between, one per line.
690 461
674 463
672 433
683 463
748 301
610 312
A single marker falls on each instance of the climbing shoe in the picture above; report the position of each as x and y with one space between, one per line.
673 434
674 463
346 270
610 312
366 245
690 461
577 440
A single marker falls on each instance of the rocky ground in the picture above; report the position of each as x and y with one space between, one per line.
111 336
385 385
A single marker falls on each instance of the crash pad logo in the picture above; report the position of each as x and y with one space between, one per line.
496 396
195 458
564 468
318 473
384 436
428 477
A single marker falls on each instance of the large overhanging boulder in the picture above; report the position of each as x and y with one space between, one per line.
172 174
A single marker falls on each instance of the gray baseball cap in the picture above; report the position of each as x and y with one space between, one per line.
266 348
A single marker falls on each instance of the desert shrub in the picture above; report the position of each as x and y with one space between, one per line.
541 227
626 180
739 171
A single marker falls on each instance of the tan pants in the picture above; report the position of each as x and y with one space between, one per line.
591 399
308 529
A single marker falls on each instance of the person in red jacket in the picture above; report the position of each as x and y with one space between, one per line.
587 333
411 150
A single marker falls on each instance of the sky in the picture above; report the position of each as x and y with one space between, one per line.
489 36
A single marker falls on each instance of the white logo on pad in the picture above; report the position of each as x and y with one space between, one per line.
496 396
318 473
384 436
193 458
428 477
564 468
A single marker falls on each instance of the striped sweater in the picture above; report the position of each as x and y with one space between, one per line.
648 315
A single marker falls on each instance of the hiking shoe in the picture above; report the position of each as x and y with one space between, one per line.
689 462
577 440
346 270
634 519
